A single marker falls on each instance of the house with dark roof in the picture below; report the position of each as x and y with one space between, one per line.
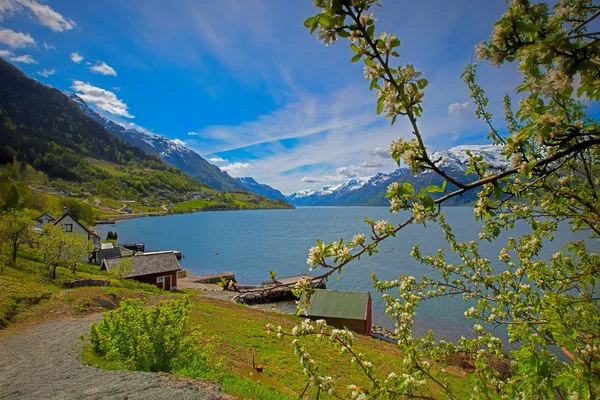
71 225
158 269
45 219
341 309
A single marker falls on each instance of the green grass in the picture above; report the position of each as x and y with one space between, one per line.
29 295
191 205
108 167
242 336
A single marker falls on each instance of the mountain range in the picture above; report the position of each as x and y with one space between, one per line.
371 191
261 188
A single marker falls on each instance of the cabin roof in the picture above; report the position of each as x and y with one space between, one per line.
78 223
113 252
51 216
338 304
145 264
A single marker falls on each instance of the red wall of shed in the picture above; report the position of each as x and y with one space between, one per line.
151 279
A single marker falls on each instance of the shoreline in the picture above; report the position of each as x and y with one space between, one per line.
109 220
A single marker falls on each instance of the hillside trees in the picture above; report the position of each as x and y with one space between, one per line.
59 248
553 144
15 230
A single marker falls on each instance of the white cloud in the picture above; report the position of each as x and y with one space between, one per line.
14 39
116 88
179 142
5 53
49 46
458 108
104 69
236 168
373 164
454 136
25 59
103 99
382 152
76 57
8 8
46 72
45 15
320 179
217 160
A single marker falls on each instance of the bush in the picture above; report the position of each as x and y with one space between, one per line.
149 339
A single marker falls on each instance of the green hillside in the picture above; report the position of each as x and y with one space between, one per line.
47 141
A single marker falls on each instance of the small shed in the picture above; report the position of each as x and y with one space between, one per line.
341 309
158 269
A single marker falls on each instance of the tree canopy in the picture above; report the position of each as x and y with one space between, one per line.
553 144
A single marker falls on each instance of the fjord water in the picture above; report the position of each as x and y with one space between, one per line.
250 243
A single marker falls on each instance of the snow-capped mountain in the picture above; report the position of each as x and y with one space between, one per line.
168 150
261 188
456 158
327 195
372 191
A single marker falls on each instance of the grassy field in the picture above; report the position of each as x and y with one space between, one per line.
29 297
108 167
28 293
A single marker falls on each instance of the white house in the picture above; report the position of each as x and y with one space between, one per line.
45 219
71 225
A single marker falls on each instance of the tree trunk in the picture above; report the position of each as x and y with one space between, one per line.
53 272
14 254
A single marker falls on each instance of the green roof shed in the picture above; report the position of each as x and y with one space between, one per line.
341 309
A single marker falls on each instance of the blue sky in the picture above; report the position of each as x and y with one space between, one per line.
244 84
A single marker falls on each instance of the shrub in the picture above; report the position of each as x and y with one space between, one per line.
148 339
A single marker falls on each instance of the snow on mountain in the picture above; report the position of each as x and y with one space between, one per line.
371 191
327 194
456 158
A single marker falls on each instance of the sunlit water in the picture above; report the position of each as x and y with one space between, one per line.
250 243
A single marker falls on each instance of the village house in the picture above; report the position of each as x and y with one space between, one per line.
341 309
158 269
71 225
45 219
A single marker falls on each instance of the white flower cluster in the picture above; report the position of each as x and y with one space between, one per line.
380 227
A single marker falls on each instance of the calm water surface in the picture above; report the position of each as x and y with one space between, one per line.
250 243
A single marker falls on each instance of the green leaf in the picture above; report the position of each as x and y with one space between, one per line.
421 83
356 57
380 105
369 62
394 120
408 189
428 203
354 48
497 191
444 186
324 20
373 83
434 189
310 21
371 31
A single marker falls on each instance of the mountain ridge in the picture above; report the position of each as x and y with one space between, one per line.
371 191
166 149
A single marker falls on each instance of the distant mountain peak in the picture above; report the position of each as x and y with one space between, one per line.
261 188
371 191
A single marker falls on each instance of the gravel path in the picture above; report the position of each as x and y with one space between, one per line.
43 363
